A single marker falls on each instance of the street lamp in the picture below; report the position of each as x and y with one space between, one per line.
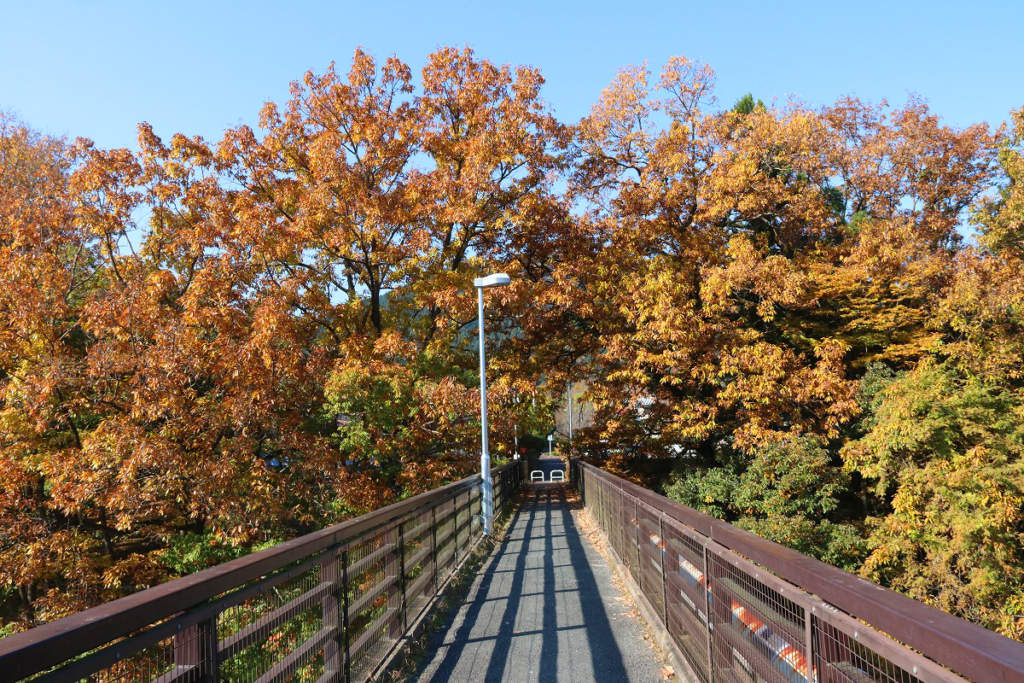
487 505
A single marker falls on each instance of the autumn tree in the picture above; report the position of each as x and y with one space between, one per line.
210 346
49 269
712 226
944 440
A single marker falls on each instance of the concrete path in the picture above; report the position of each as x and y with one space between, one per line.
542 609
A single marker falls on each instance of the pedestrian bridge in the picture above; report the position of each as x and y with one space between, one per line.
412 592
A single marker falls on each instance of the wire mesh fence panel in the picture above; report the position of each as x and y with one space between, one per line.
607 504
498 494
445 538
334 614
615 522
461 533
259 633
143 665
651 557
418 563
461 525
475 512
758 630
371 610
686 593
845 651
632 541
623 527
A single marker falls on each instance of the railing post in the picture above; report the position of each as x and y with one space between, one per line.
636 542
433 545
401 576
344 615
196 647
331 609
581 481
496 495
471 536
707 612
467 522
457 546
664 576
809 641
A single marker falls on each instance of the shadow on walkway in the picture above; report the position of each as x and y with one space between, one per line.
542 609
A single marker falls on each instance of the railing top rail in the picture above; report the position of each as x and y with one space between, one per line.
967 648
45 646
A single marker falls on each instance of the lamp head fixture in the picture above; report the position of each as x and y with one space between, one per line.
496 280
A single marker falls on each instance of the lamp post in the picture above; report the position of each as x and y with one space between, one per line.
570 413
487 504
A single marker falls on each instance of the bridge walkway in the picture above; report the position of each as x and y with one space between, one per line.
543 608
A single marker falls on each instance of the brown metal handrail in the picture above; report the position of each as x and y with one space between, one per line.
331 605
733 602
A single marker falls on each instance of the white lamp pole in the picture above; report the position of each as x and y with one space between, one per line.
487 506
570 412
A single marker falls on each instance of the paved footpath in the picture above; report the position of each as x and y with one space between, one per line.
542 609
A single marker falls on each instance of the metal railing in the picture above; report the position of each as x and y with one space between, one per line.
331 606
742 609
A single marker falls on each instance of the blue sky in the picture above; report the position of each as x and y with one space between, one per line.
99 68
